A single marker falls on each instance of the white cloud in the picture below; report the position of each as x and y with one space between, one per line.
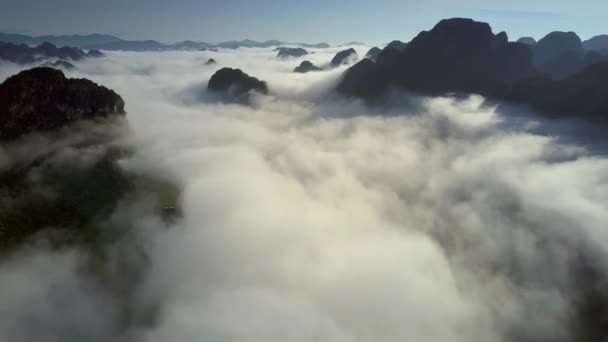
307 217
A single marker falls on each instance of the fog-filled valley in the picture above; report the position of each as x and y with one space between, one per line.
302 215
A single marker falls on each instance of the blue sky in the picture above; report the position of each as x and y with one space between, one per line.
330 21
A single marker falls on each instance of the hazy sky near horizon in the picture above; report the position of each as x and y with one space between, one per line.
331 21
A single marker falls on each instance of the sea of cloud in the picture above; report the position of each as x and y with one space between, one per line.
310 217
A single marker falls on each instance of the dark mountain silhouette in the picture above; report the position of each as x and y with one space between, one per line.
464 56
42 99
343 57
23 54
236 85
562 54
211 61
457 55
559 54
597 43
555 44
306 66
373 53
527 40
285 52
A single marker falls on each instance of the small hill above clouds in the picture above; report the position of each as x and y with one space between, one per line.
43 99
235 85
306 66
284 52
95 53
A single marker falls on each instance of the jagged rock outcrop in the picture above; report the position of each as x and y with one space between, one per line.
235 83
211 61
306 66
42 99
527 40
60 64
457 55
23 54
291 52
373 53
344 57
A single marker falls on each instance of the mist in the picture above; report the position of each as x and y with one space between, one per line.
307 216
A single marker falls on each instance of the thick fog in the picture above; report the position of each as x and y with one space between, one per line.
310 217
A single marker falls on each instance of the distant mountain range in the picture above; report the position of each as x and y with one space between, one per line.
109 42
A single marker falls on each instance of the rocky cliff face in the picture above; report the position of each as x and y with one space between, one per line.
42 99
